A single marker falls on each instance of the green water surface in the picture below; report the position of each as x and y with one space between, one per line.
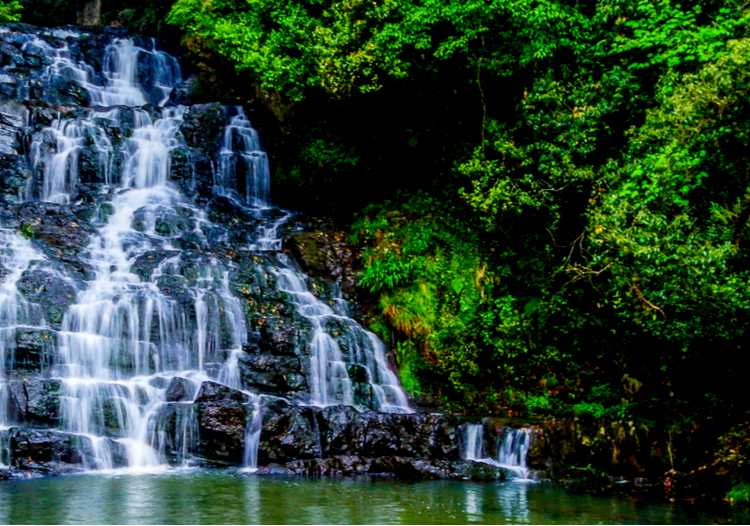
221 497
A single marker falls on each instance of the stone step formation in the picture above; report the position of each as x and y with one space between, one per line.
149 316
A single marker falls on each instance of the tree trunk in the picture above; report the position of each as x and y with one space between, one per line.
90 13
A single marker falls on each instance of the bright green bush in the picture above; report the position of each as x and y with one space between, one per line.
10 11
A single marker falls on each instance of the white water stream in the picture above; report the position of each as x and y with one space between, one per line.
124 339
512 452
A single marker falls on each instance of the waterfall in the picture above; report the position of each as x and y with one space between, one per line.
512 451
252 438
16 255
243 165
56 151
130 329
473 442
330 382
243 174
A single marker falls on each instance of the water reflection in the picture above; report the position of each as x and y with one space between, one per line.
201 497
513 500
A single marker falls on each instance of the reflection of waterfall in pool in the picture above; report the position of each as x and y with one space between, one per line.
513 500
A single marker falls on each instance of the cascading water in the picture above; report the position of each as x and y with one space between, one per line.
473 442
243 165
515 450
153 303
329 379
16 256
512 450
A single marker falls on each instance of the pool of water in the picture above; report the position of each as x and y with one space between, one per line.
220 497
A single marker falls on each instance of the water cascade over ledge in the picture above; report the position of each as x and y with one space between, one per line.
143 336
512 449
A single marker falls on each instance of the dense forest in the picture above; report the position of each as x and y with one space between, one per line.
550 200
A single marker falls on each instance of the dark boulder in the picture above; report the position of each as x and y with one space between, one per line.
180 390
203 126
289 432
32 352
222 415
50 292
55 451
268 373
59 233
43 399
216 392
344 430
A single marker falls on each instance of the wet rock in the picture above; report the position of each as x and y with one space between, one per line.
177 288
181 168
289 432
64 89
12 121
222 419
92 167
325 253
184 93
293 432
42 400
50 292
33 349
176 434
15 177
8 85
180 390
279 335
269 373
145 264
59 233
344 430
55 451
15 173
203 126
221 430
216 392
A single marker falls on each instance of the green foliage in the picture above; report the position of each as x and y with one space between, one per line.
562 189
10 11
330 155
739 495
432 287
27 231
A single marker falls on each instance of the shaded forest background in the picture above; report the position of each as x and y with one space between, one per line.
550 198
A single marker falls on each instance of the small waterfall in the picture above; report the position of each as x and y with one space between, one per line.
16 255
243 175
56 152
514 451
330 382
243 165
473 442
252 438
